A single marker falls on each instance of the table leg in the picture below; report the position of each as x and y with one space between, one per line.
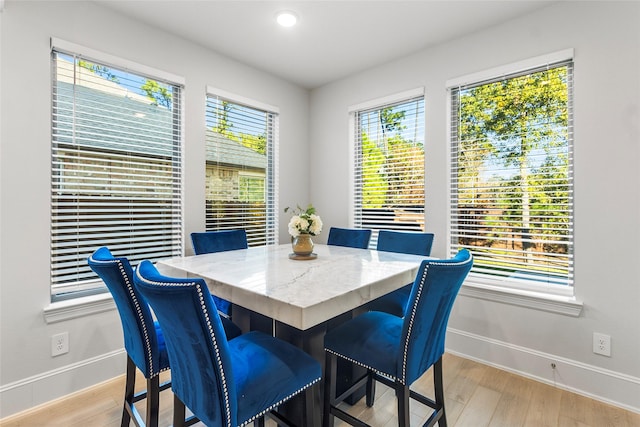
248 320
312 342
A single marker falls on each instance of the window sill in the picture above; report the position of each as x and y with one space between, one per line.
564 305
78 307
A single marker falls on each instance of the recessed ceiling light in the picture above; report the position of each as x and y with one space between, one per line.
287 18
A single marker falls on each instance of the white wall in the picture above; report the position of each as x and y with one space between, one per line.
606 40
28 374
607 151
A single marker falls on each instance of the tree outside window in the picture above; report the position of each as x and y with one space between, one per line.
389 167
512 185
240 146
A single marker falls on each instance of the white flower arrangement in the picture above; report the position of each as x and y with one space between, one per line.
304 221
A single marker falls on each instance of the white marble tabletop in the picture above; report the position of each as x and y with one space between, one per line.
300 293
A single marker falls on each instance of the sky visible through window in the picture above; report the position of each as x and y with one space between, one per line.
154 90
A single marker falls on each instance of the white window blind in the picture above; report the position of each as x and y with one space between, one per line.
512 177
116 171
241 172
389 167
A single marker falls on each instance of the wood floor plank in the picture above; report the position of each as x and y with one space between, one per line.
495 379
384 409
566 421
544 408
633 420
480 408
577 408
515 399
476 395
453 410
464 382
605 415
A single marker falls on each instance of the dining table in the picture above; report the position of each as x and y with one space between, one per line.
298 298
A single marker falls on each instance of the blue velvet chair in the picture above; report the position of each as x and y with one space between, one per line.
350 237
397 351
400 242
223 383
209 242
143 338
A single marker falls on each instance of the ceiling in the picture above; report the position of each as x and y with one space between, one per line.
332 39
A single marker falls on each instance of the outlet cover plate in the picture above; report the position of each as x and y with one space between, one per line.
59 344
602 344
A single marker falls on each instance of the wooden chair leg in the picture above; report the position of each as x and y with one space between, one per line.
129 391
402 396
307 409
153 401
179 412
371 388
439 392
330 373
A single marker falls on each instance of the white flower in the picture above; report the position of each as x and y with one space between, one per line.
295 226
316 225
304 222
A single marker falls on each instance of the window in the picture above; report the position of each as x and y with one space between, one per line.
241 184
116 167
389 164
512 177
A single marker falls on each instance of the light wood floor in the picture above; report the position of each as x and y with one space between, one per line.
476 395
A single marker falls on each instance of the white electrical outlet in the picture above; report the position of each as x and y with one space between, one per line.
60 344
601 344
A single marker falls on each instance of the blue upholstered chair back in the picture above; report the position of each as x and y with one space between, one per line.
218 241
140 339
350 237
196 343
427 313
405 242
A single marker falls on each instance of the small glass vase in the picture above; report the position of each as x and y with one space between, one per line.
302 245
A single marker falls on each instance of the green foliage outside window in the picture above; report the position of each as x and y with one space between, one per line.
224 126
391 168
513 173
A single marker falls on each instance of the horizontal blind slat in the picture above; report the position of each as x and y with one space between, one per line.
241 184
512 186
389 166
116 168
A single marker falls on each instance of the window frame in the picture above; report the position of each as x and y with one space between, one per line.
92 293
271 177
355 143
540 297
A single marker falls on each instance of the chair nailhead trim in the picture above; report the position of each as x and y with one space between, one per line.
217 351
211 334
218 361
357 362
404 355
281 401
411 321
412 317
152 373
414 309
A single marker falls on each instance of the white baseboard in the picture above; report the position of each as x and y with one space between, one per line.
607 386
32 392
601 384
